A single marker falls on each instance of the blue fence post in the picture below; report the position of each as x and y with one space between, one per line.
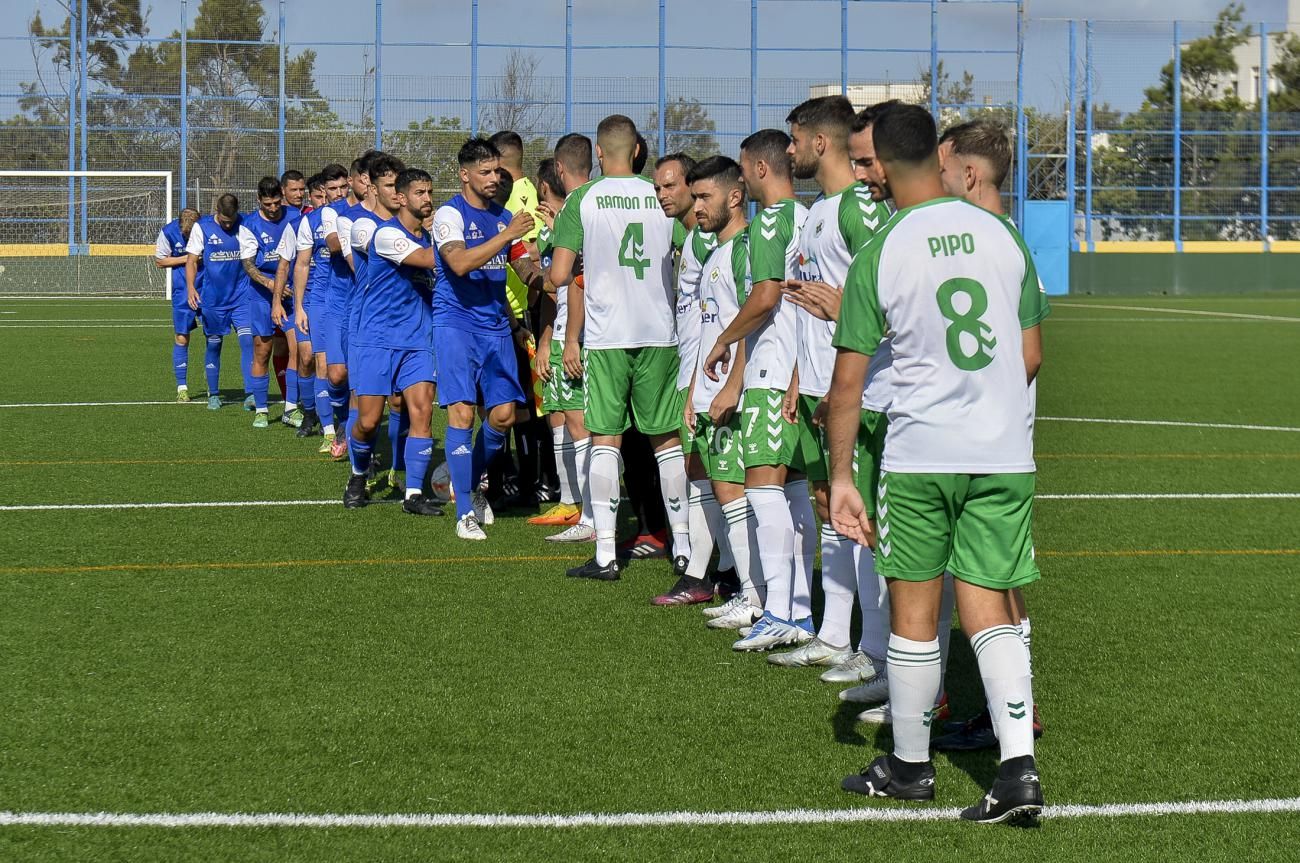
473 68
284 56
844 48
1178 136
1087 135
72 128
1022 122
753 64
84 78
379 74
568 66
934 59
663 77
1263 138
185 102
1071 133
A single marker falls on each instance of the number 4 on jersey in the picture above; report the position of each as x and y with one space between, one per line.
631 250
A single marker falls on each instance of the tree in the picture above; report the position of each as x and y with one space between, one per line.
950 92
518 98
1206 64
688 128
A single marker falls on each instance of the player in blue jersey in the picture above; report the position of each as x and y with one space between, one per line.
293 188
300 398
391 352
170 255
219 243
311 292
267 224
473 327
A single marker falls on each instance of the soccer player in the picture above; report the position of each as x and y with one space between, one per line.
704 516
774 485
523 199
267 224
957 288
711 410
474 333
169 254
974 159
312 318
293 188
302 361
218 243
336 221
392 351
625 312
573 163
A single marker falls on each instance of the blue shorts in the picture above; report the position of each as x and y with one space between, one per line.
242 317
384 371
217 322
184 320
317 321
258 314
476 368
335 345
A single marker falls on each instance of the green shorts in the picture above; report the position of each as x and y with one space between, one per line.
769 439
719 449
644 378
976 526
866 456
809 448
561 392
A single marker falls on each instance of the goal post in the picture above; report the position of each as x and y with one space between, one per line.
83 233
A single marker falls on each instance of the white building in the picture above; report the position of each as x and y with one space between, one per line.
862 95
1246 81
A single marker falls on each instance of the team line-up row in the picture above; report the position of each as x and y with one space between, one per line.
877 361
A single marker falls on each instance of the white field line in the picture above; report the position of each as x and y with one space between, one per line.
95 404
1172 423
46 298
104 320
620 819
1199 312
234 504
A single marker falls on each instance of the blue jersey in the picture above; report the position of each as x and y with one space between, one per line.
170 244
360 232
292 213
396 306
311 235
268 235
222 253
334 220
475 301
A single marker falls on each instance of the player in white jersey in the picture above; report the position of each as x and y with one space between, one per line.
957 289
704 515
974 160
562 396
625 312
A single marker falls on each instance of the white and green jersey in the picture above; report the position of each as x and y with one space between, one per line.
774 254
626 243
724 285
546 245
690 265
955 285
838 226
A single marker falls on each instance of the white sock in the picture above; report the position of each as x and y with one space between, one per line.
566 465
673 486
742 537
606 467
1004 668
327 429
946 602
701 530
913 686
839 579
581 459
717 529
1025 629
776 551
873 597
805 546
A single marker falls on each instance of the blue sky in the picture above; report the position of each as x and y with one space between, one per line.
1129 54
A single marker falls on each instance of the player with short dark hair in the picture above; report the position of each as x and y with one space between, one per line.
267 224
170 255
293 188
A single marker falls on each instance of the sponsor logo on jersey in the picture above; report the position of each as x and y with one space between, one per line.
715 275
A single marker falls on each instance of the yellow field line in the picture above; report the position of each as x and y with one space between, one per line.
275 564
426 561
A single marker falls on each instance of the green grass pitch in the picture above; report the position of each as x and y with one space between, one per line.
304 659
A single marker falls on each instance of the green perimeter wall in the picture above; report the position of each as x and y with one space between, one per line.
1187 273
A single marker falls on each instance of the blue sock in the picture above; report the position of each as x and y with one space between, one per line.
489 443
290 388
339 403
398 426
459 447
352 418
307 392
180 362
359 453
419 450
323 409
261 383
246 360
212 364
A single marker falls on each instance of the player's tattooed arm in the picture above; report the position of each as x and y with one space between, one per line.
530 274
257 276
463 260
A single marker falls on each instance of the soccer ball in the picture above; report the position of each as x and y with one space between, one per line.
440 483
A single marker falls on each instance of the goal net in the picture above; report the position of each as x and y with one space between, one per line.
82 233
